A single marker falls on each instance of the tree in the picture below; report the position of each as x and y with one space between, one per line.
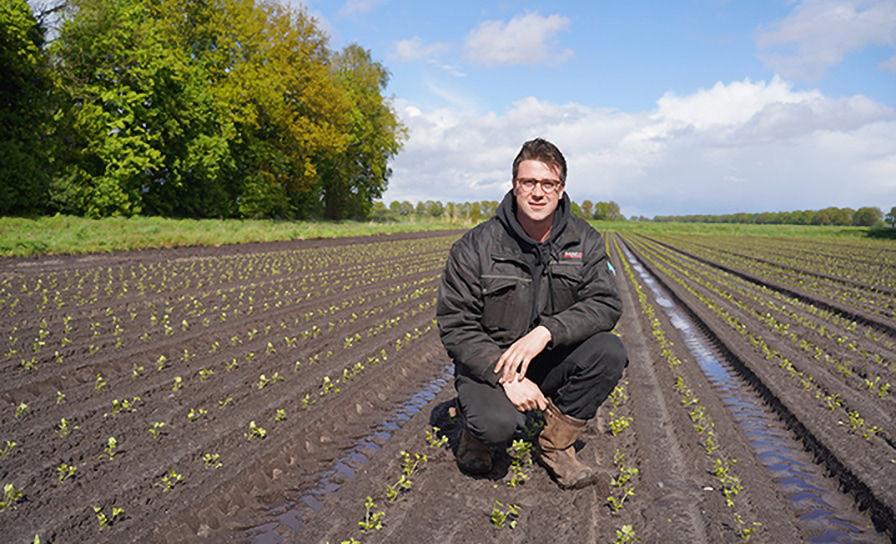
360 173
587 209
867 217
26 102
891 217
607 211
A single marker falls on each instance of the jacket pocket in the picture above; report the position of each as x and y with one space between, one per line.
505 306
565 284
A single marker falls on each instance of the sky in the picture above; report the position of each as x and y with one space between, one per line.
708 106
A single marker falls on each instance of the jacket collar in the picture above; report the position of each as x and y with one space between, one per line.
506 215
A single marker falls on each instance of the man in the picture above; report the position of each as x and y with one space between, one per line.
525 308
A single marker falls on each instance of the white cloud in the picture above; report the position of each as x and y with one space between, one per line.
352 7
525 39
820 33
415 49
741 146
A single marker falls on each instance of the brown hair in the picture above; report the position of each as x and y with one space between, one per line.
541 150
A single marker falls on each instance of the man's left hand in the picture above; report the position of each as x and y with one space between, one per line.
521 353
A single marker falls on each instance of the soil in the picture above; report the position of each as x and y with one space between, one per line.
343 303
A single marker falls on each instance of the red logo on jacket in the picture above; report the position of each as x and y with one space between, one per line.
572 255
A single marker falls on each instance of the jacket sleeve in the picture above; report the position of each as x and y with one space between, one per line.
459 313
597 307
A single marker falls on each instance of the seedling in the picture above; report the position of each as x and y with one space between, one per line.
433 440
205 373
745 530
160 362
280 415
409 467
520 452
21 410
7 448
500 517
100 382
169 480
105 521
11 495
60 397
156 429
65 471
196 413
65 428
111 444
126 405
255 431
211 460
626 535
137 371
178 384
373 521
225 402
619 424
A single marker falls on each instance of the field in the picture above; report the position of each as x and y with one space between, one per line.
298 392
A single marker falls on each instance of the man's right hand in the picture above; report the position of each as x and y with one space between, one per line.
525 395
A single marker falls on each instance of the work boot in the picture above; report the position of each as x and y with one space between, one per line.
473 456
556 452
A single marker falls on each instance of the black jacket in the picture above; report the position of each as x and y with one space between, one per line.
499 284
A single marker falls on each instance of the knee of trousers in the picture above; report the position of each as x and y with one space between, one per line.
494 427
608 355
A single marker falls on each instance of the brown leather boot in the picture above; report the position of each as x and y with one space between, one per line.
473 456
556 452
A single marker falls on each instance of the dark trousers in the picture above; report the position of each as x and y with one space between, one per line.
577 378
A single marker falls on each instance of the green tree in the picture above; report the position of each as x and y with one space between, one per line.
587 208
608 211
891 217
867 217
26 102
360 173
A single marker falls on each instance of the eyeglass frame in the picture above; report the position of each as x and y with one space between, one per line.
540 183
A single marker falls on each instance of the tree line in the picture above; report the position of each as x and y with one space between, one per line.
863 217
479 211
219 108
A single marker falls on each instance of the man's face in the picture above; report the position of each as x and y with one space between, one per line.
537 203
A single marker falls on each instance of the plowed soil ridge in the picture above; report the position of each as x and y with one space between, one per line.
844 458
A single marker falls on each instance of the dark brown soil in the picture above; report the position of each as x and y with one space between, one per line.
328 306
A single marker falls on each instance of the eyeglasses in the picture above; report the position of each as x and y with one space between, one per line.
547 185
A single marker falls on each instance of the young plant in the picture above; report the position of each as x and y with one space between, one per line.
11 495
280 415
178 384
520 453
433 440
7 448
105 521
100 382
626 535
169 480
255 431
211 460
65 428
409 467
111 445
65 471
373 521
196 413
60 397
156 429
500 517
21 409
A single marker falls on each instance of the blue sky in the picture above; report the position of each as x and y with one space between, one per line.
665 107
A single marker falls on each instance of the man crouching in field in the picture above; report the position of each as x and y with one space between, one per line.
525 308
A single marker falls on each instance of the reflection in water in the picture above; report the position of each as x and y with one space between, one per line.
291 514
803 483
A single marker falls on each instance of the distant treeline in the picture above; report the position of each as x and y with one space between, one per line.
862 217
218 108
479 211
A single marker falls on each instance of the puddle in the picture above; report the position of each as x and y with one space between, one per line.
288 518
824 513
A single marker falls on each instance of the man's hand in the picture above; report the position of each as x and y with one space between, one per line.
521 353
525 395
